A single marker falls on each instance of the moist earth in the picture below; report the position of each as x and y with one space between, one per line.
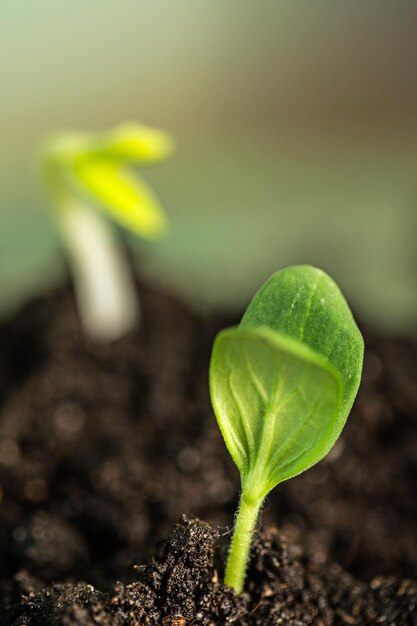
102 448
181 587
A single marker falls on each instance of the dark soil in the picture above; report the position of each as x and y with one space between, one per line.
103 447
181 587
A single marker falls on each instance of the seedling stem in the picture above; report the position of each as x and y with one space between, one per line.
247 515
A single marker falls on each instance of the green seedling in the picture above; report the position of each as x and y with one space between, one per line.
282 385
89 179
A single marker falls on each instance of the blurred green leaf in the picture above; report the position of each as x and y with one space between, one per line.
95 165
125 197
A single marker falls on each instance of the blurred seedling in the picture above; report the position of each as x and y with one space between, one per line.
282 385
90 183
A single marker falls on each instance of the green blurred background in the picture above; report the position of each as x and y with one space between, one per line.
296 124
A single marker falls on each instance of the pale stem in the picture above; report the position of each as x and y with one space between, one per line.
241 542
105 294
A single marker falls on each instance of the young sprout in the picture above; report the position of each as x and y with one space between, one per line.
282 384
88 178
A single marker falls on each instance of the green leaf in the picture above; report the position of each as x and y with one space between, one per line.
283 382
125 197
95 165
132 142
276 402
127 143
304 303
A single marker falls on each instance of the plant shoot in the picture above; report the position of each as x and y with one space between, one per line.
282 385
88 178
